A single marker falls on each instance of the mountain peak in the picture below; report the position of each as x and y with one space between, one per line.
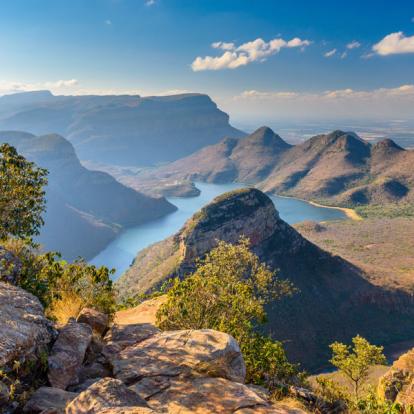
387 144
267 137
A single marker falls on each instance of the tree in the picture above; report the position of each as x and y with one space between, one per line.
22 195
355 362
227 292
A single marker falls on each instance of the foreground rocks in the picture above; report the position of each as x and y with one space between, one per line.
68 353
48 398
24 329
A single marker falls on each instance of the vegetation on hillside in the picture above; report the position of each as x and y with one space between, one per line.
63 288
22 195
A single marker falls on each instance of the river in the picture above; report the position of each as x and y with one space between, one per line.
120 253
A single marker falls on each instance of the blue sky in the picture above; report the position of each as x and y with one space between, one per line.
150 46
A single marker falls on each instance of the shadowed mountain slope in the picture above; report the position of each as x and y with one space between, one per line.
332 296
124 129
85 209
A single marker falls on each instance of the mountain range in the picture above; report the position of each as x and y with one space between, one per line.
121 129
336 168
335 300
85 209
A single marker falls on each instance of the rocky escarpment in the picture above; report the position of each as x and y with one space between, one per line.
128 367
332 292
124 129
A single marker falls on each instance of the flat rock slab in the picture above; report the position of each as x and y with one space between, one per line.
126 410
23 325
205 396
68 353
106 393
205 351
48 398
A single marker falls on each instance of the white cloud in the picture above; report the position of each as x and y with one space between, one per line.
223 45
330 53
344 55
394 43
353 45
150 2
236 56
380 103
11 87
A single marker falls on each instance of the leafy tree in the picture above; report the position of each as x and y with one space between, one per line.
355 362
22 195
227 292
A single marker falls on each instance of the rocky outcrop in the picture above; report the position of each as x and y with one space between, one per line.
398 383
48 398
178 353
98 321
332 293
106 393
10 266
68 353
24 329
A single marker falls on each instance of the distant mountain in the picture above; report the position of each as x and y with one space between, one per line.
124 129
85 209
338 168
333 294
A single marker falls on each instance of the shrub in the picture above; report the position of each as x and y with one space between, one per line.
227 292
22 197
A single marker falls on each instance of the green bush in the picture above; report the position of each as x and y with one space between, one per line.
227 292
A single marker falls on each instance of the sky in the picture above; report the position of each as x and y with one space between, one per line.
258 59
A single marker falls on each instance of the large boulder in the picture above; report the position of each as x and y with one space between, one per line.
24 329
206 352
397 384
126 410
68 353
48 398
98 321
106 393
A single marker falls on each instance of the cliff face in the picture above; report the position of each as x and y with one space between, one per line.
123 130
85 209
332 296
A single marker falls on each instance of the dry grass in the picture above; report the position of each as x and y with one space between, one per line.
68 306
383 248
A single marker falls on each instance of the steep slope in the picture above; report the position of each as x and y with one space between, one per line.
332 296
85 208
123 130
248 160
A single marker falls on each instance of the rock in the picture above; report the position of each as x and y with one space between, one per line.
10 266
4 393
397 384
24 329
273 409
145 313
126 410
106 393
94 370
204 396
68 353
98 321
204 351
48 398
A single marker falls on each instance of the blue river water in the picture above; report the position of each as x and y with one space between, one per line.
120 253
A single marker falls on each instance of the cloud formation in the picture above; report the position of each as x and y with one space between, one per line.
346 103
353 45
393 44
330 53
11 87
236 56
